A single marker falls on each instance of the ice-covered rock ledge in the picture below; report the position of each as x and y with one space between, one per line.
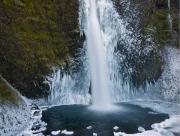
169 127
36 126
14 110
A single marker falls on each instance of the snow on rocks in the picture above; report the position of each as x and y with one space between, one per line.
13 119
67 132
169 127
141 129
146 133
43 108
54 133
115 128
14 112
94 134
89 127
34 107
36 127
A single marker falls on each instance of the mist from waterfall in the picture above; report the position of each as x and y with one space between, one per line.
97 60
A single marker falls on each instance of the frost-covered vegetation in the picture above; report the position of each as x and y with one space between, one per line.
14 111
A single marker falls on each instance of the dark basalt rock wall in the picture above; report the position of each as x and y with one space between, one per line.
36 35
146 18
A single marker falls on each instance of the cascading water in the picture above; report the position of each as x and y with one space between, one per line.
103 27
97 60
64 91
99 22
106 31
169 4
169 15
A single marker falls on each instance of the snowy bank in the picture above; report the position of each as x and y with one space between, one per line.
169 127
14 111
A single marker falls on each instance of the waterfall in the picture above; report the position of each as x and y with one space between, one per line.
63 89
169 15
169 4
170 21
107 31
97 59
103 27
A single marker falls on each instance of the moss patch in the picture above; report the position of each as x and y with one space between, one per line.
158 26
7 95
157 22
36 35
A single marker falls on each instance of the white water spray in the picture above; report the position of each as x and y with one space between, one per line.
97 60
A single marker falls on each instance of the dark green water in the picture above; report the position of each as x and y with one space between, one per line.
76 118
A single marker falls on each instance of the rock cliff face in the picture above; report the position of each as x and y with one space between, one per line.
150 26
36 35
152 14
14 112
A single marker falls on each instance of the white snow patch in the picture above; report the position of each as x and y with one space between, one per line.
67 132
141 129
89 127
115 127
56 132
146 133
152 112
35 120
169 127
172 125
94 134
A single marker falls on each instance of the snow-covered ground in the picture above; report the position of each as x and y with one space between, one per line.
14 115
13 119
169 127
36 126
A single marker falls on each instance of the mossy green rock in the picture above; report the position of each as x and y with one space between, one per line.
14 110
8 95
36 35
157 21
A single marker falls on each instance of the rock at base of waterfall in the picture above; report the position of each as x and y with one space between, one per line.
67 132
89 127
115 128
54 133
141 129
